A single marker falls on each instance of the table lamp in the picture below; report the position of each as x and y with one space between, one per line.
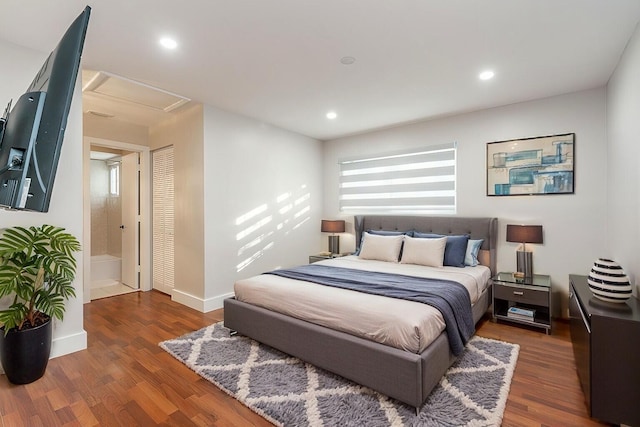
524 234
333 226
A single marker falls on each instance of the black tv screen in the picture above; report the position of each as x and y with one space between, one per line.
34 129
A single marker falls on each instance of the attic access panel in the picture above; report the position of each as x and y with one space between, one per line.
123 89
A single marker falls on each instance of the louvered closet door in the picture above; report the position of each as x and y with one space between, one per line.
163 220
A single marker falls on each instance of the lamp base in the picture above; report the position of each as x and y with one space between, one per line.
525 263
334 244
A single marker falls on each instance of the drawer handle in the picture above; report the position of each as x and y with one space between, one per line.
518 293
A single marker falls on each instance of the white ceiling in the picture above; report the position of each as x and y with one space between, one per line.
279 60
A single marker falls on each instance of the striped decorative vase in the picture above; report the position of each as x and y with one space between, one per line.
608 281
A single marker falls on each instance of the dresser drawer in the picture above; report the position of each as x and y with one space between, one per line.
521 295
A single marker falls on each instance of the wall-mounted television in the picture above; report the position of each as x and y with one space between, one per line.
31 133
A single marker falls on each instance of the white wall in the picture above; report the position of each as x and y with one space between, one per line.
184 130
65 209
112 129
18 72
623 189
263 199
574 225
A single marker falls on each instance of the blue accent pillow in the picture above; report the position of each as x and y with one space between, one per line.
383 233
471 257
454 251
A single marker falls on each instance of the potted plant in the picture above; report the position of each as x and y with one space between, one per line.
37 268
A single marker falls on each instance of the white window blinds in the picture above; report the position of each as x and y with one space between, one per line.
163 220
422 181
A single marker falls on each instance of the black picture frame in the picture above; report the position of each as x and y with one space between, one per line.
540 165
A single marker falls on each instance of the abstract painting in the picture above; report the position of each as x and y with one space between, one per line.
531 166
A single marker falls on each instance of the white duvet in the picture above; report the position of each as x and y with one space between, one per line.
407 325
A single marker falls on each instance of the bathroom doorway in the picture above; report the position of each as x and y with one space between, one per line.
116 224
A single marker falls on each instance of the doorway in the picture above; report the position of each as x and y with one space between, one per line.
116 221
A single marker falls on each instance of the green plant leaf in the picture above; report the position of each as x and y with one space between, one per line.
13 316
24 252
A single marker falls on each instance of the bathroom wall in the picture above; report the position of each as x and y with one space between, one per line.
106 213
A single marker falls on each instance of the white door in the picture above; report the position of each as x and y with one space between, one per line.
163 220
129 192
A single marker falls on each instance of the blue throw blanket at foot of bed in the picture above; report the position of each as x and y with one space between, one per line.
449 297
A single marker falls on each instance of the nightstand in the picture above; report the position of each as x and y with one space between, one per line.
528 294
320 257
316 258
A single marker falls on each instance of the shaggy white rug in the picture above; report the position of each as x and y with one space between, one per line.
289 392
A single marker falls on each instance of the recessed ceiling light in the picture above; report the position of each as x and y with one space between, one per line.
486 75
331 115
168 43
347 60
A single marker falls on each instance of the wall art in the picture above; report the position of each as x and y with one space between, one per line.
531 166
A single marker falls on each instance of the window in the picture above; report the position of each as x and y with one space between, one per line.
422 181
114 179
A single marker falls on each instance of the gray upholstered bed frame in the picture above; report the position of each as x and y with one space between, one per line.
402 375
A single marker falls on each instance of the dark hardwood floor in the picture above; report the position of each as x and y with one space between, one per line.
125 379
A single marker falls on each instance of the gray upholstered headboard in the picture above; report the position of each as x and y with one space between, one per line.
477 228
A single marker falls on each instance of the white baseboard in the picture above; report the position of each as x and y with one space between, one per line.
69 344
65 345
197 303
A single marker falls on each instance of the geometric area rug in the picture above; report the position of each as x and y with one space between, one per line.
289 392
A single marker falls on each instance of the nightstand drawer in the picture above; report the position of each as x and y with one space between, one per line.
521 295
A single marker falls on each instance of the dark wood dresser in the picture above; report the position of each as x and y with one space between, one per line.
606 346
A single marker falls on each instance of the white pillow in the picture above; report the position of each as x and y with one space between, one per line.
382 248
428 252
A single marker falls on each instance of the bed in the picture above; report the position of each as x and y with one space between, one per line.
407 375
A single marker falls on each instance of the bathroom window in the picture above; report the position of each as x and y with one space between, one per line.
114 179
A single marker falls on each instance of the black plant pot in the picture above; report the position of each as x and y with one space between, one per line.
25 353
